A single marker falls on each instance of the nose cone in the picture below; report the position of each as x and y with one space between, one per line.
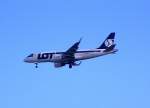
26 60
30 59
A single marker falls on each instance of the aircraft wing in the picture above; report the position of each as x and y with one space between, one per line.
69 54
73 48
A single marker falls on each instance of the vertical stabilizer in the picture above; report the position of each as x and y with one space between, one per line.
109 41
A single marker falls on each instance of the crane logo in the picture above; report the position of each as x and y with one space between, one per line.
109 42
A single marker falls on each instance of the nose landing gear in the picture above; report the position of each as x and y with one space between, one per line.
36 65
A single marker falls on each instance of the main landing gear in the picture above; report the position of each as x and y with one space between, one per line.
74 64
70 65
36 65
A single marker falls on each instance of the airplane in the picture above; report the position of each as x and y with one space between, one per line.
73 56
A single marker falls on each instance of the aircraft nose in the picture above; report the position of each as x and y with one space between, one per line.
25 60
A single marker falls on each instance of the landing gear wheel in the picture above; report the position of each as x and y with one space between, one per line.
36 65
70 66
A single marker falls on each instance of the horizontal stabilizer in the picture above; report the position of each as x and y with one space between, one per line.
110 48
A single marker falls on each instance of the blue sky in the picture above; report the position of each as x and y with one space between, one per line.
114 81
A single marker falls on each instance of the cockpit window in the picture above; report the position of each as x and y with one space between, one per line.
31 55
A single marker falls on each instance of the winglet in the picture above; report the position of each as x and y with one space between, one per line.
80 39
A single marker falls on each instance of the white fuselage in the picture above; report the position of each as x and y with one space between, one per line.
57 57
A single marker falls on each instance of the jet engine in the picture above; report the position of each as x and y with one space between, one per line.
57 65
77 63
74 64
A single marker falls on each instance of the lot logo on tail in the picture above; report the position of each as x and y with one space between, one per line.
109 42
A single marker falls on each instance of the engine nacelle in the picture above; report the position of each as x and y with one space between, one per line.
77 63
57 65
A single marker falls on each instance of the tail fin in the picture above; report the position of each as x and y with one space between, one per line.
109 42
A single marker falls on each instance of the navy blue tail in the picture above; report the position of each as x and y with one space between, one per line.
109 41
